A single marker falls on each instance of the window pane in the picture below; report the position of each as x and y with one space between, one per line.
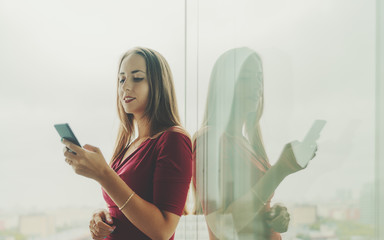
59 62
266 71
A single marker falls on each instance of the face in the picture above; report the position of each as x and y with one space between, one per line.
249 85
133 85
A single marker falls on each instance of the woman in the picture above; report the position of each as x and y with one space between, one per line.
232 174
146 183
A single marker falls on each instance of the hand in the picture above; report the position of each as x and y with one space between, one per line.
87 161
100 224
288 160
278 218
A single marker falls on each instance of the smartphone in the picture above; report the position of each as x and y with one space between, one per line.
305 150
314 133
66 132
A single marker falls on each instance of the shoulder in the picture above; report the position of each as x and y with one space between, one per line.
177 131
172 131
174 136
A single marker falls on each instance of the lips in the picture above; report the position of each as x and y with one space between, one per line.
128 99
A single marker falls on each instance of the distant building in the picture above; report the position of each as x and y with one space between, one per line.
344 213
303 215
2 225
36 225
367 204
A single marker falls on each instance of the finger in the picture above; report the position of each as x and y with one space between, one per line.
108 217
94 233
70 155
286 225
66 149
91 148
283 209
69 161
97 217
102 227
315 148
69 151
96 236
279 219
72 146
280 206
284 213
278 224
282 217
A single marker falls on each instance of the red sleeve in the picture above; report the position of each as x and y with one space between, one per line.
173 172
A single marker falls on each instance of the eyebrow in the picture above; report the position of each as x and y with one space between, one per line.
134 71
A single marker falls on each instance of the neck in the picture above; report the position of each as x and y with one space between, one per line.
236 122
143 128
234 127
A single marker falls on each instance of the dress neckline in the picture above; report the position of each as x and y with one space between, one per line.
244 142
122 160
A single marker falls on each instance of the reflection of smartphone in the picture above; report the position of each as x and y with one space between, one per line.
305 150
66 132
314 133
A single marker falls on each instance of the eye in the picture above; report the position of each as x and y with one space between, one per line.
137 79
122 80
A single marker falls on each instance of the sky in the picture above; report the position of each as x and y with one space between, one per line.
58 64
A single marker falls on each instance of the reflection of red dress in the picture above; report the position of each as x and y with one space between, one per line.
237 159
159 171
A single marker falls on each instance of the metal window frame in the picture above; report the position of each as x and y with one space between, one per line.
379 136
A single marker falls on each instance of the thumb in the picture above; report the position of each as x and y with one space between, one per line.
108 217
91 148
294 143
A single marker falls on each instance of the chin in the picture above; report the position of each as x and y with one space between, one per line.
127 111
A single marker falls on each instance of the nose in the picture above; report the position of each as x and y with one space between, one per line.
127 85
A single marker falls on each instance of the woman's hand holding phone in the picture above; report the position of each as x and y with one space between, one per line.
87 161
296 155
287 163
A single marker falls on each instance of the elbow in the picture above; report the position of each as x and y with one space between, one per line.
162 236
165 229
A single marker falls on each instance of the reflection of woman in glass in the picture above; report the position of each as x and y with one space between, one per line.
147 181
232 174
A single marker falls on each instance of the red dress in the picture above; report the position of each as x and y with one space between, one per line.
159 171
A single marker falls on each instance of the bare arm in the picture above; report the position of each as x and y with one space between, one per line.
152 221
244 209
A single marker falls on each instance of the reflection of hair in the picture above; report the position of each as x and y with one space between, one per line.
161 110
225 76
221 95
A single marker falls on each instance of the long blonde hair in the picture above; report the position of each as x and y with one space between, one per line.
161 110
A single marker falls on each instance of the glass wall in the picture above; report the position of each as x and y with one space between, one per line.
278 84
